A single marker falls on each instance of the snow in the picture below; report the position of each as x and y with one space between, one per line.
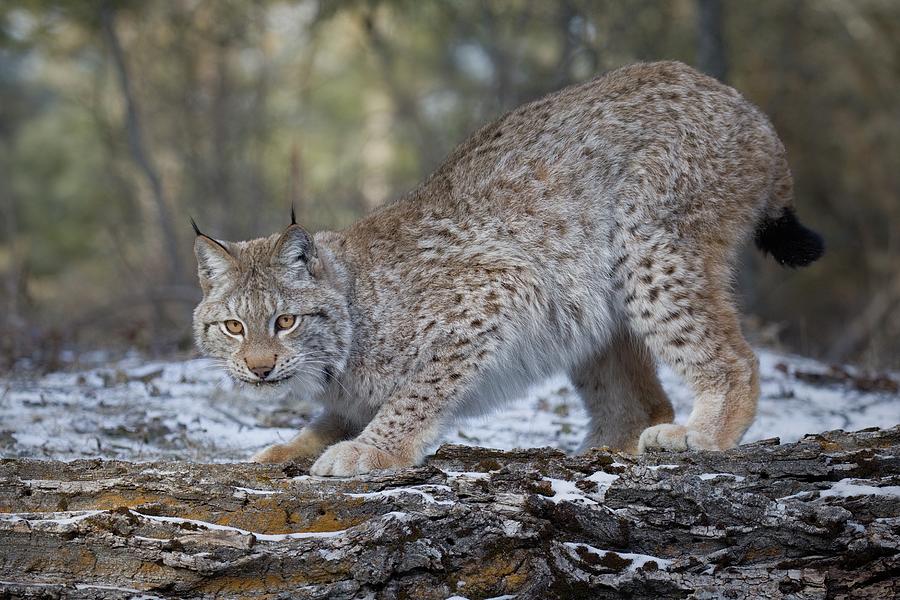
27 583
42 520
253 492
504 597
397 515
637 560
603 480
187 410
467 474
133 594
33 519
566 491
511 528
263 537
846 488
708 476
419 490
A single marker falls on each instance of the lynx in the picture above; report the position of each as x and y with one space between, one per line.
591 232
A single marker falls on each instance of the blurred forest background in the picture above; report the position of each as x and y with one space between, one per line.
119 120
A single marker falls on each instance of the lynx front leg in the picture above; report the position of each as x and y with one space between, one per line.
404 427
397 437
323 431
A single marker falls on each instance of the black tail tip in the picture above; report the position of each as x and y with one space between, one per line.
789 241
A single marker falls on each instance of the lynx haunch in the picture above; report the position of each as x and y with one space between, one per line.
593 232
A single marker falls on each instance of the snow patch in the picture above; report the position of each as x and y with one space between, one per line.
511 528
604 480
637 560
263 537
253 492
504 597
419 490
708 476
566 491
73 517
397 515
133 594
846 488
466 474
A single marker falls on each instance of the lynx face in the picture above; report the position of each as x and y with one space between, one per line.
272 312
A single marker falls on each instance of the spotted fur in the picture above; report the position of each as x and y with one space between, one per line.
592 232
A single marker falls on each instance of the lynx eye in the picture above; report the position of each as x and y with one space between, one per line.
284 322
234 327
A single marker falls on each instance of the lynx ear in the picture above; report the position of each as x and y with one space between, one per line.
295 247
214 259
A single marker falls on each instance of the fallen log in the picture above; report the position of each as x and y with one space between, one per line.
815 519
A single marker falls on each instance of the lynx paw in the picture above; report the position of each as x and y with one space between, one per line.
669 436
280 453
346 459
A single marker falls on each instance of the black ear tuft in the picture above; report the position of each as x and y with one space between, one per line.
194 225
214 260
293 216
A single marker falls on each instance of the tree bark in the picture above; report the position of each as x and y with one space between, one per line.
815 519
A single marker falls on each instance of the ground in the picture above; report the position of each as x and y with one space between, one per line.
187 410
807 520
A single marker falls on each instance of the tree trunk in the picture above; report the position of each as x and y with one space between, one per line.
406 105
814 519
137 144
711 57
15 326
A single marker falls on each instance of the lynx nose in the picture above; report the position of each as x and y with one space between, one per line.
261 366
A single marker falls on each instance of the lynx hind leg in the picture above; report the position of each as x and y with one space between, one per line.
686 316
622 394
